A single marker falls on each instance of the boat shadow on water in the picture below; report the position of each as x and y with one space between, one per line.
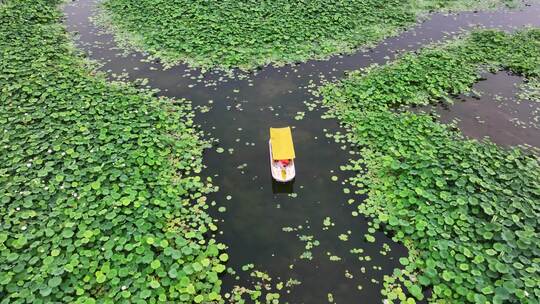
280 187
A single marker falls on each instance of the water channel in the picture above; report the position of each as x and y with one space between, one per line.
264 224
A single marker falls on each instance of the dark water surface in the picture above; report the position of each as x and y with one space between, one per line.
239 112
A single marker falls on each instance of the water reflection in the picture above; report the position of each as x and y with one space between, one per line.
495 111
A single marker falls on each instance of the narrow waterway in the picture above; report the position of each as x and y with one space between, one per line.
263 224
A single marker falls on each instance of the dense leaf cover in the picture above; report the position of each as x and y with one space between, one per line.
100 198
469 209
247 33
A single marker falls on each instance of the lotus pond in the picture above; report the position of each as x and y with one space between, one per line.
133 179
101 197
466 209
247 34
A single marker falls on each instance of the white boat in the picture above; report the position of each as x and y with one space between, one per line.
281 154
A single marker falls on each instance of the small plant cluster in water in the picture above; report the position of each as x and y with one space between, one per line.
246 34
100 198
263 291
467 210
530 90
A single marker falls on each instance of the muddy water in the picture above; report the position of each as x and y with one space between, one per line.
238 112
496 113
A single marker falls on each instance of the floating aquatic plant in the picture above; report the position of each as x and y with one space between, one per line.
100 198
468 210
248 34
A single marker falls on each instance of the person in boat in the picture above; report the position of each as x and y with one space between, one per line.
284 162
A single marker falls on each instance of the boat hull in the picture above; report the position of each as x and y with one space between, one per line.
281 173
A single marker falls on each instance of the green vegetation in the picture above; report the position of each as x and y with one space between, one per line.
231 33
530 90
100 198
467 210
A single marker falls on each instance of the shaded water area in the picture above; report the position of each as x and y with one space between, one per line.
495 111
238 112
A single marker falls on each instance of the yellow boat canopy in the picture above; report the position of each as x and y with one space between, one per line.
282 144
